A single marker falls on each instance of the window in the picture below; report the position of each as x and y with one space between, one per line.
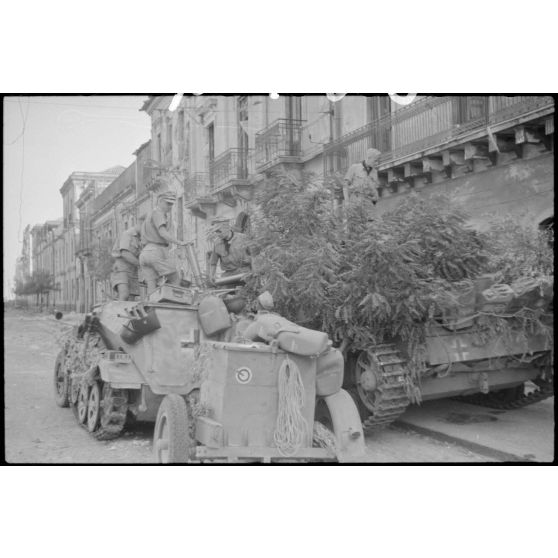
180 124
180 219
243 140
377 106
293 107
211 141
378 109
168 147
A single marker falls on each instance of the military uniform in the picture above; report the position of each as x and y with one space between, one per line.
233 255
154 257
362 181
122 270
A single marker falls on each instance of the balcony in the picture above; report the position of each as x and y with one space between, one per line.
197 195
152 179
230 175
280 142
430 124
196 186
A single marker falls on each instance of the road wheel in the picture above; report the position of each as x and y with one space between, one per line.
171 438
112 414
61 384
94 407
82 400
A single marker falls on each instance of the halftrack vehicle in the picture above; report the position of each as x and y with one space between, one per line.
508 369
218 382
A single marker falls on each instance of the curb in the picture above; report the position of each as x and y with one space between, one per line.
493 453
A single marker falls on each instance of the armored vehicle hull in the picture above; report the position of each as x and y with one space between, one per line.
509 366
213 393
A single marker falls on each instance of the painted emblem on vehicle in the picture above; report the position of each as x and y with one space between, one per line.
243 375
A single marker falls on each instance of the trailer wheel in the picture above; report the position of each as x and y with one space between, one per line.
171 438
61 384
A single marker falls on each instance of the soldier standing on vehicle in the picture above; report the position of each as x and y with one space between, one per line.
156 237
230 250
124 276
361 180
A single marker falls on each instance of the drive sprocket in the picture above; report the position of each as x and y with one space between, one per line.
381 380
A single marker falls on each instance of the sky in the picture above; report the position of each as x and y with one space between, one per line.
45 139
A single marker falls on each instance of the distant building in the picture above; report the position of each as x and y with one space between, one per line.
71 268
112 212
105 211
23 266
43 255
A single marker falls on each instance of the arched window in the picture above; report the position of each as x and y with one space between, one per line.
242 223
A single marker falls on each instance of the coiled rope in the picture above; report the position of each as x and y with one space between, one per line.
291 426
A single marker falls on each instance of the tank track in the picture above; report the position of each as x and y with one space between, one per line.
499 400
391 398
113 419
114 402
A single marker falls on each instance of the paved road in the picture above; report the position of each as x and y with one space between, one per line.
37 431
516 435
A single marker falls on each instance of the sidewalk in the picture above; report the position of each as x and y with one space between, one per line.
519 435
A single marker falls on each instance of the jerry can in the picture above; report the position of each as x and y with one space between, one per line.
496 299
214 316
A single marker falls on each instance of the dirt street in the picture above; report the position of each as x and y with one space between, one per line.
37 431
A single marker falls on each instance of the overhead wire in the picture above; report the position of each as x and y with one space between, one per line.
24 121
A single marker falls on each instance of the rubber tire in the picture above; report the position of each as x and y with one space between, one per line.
92 426
172 414
62 398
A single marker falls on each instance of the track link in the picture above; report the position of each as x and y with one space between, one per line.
114 402
507 400
113 413
390 399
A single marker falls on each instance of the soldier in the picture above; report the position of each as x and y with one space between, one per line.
362 179
156 237
230 250
124 276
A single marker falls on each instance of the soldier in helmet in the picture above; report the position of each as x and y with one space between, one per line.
124 276
156 237
230 251
361 179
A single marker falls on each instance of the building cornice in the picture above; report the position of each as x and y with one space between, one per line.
141 147
113 201
156 102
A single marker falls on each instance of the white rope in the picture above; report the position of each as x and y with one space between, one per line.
291 425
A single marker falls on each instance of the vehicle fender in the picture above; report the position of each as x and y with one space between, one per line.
347 426
120 375
329 372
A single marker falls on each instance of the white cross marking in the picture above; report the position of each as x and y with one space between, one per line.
458 348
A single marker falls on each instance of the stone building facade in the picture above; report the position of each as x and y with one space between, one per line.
71 266
494 154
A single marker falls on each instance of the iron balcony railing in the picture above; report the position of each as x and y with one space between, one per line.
232 167
195 186
281 141
428 122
